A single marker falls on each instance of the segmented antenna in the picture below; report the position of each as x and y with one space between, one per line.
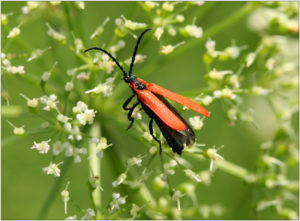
110 55
135 50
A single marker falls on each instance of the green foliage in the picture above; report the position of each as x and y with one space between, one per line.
240 63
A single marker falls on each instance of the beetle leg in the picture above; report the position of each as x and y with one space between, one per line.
152 134
127 102
130 118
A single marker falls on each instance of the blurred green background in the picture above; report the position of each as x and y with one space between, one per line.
25 188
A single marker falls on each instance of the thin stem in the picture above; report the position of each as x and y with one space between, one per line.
95 166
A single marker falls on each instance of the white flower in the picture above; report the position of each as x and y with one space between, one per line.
196 122
270 64
14 32
134 211
191 174
73 132
68 149
68 127
147 136
46 75
15 69
158 32
150 5
99 30
167 6
207 100
89 214
210 46
232 114
250 59
234 80
102 145
77 152
226 93
170 48
136 114
78 45
176 197
50 102
117 201
179 18
134 161
30 6
86 117
33 103
83 76
213 155
62 118
133 25
72 217
69 86
55 35
80 107
4 19
218 75
37 53
65 196
120 44
167 49
232 51
138 59
57 148
106 63
71 72
42 147
52 169
171 31
192 31
80 4
55 2
153 150
19 131
120 180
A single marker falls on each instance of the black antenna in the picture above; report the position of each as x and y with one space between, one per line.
135 50
110 55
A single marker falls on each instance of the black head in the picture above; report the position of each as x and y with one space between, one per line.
128 78
138 85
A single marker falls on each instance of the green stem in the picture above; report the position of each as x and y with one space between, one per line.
95 166
235 170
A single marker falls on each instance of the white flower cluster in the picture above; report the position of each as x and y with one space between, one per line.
196 122
6 65
83 114
101 145
104 88
50 102
70 150
169 168
117 201
52 169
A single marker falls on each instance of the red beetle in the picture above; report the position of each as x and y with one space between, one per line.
151 96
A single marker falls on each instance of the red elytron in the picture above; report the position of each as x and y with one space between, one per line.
151 96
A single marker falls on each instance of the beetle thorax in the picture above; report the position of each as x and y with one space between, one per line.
134 83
